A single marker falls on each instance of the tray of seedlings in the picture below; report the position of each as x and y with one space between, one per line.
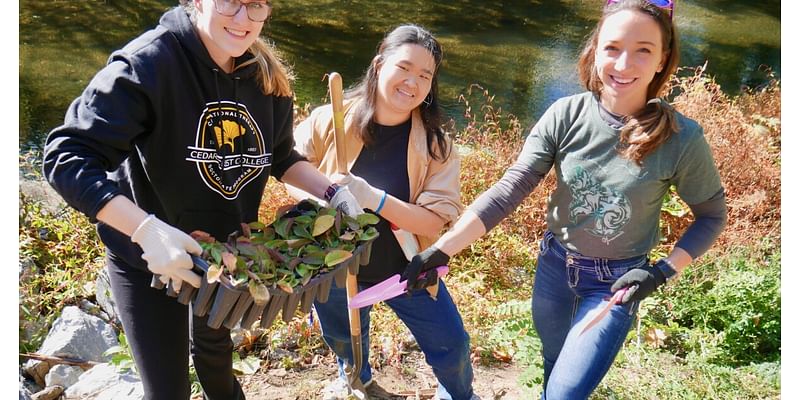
262 270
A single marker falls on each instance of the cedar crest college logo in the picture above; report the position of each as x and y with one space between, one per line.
229 148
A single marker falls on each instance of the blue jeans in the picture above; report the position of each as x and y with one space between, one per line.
569 290
435 324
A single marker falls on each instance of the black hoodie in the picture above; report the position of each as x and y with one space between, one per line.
163 125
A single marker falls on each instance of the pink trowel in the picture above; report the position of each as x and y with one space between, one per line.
389 288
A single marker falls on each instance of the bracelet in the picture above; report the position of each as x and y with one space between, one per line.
666 268
330 192
380 205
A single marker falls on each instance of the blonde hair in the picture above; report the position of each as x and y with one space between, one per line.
275 77
644 131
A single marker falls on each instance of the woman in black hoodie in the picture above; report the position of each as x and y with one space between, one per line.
180 132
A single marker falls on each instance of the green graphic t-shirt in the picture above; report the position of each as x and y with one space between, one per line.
604 205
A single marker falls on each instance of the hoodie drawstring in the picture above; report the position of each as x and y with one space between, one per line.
239 126
219 107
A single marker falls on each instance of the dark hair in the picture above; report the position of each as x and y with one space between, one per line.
366 90
654 124
274 76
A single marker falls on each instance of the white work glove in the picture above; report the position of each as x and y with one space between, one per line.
345 201
368 196
166 250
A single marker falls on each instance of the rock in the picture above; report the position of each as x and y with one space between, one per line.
104 296
63 375
94 309
75 334
25 392
48 393
41 191
104 382
37 370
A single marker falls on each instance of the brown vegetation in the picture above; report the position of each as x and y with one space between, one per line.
744 133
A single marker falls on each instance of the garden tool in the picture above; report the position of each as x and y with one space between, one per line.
352 371
615 299
389 288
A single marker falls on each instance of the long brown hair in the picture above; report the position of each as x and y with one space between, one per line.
273 75
365 92
655 123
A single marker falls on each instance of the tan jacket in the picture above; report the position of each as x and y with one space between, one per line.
433 184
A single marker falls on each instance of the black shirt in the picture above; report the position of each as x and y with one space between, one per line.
384 164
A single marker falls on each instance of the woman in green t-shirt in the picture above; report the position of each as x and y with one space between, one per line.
616 151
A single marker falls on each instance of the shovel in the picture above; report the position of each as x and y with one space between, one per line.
352 371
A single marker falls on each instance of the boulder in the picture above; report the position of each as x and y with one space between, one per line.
63 375
77 335
104 382
104 296
25 391
48 393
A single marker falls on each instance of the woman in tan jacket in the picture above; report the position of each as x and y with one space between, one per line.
404 169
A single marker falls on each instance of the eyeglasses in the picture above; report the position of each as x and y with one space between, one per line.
668 5
257 11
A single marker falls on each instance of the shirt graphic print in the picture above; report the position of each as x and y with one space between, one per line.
608 209
229 148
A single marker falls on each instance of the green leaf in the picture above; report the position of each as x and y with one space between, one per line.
265 276
275 244
337 256
351 222
297 243
114 350
282 227
322 224
302 270
315 258
247 249
327 211
216 254
302 231
369 234
257 226
305 219
367 219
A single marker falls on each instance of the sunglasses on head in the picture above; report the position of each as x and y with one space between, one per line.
668 5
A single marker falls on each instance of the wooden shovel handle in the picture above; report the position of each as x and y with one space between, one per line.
335 88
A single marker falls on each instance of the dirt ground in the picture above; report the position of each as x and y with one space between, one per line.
412 379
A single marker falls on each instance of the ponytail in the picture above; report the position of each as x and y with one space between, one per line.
648 129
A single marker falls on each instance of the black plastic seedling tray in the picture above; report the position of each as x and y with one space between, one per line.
227 305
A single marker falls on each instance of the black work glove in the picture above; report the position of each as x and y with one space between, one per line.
427 260
641 282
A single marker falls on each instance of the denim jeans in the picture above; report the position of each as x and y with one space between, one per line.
569 290
435 324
